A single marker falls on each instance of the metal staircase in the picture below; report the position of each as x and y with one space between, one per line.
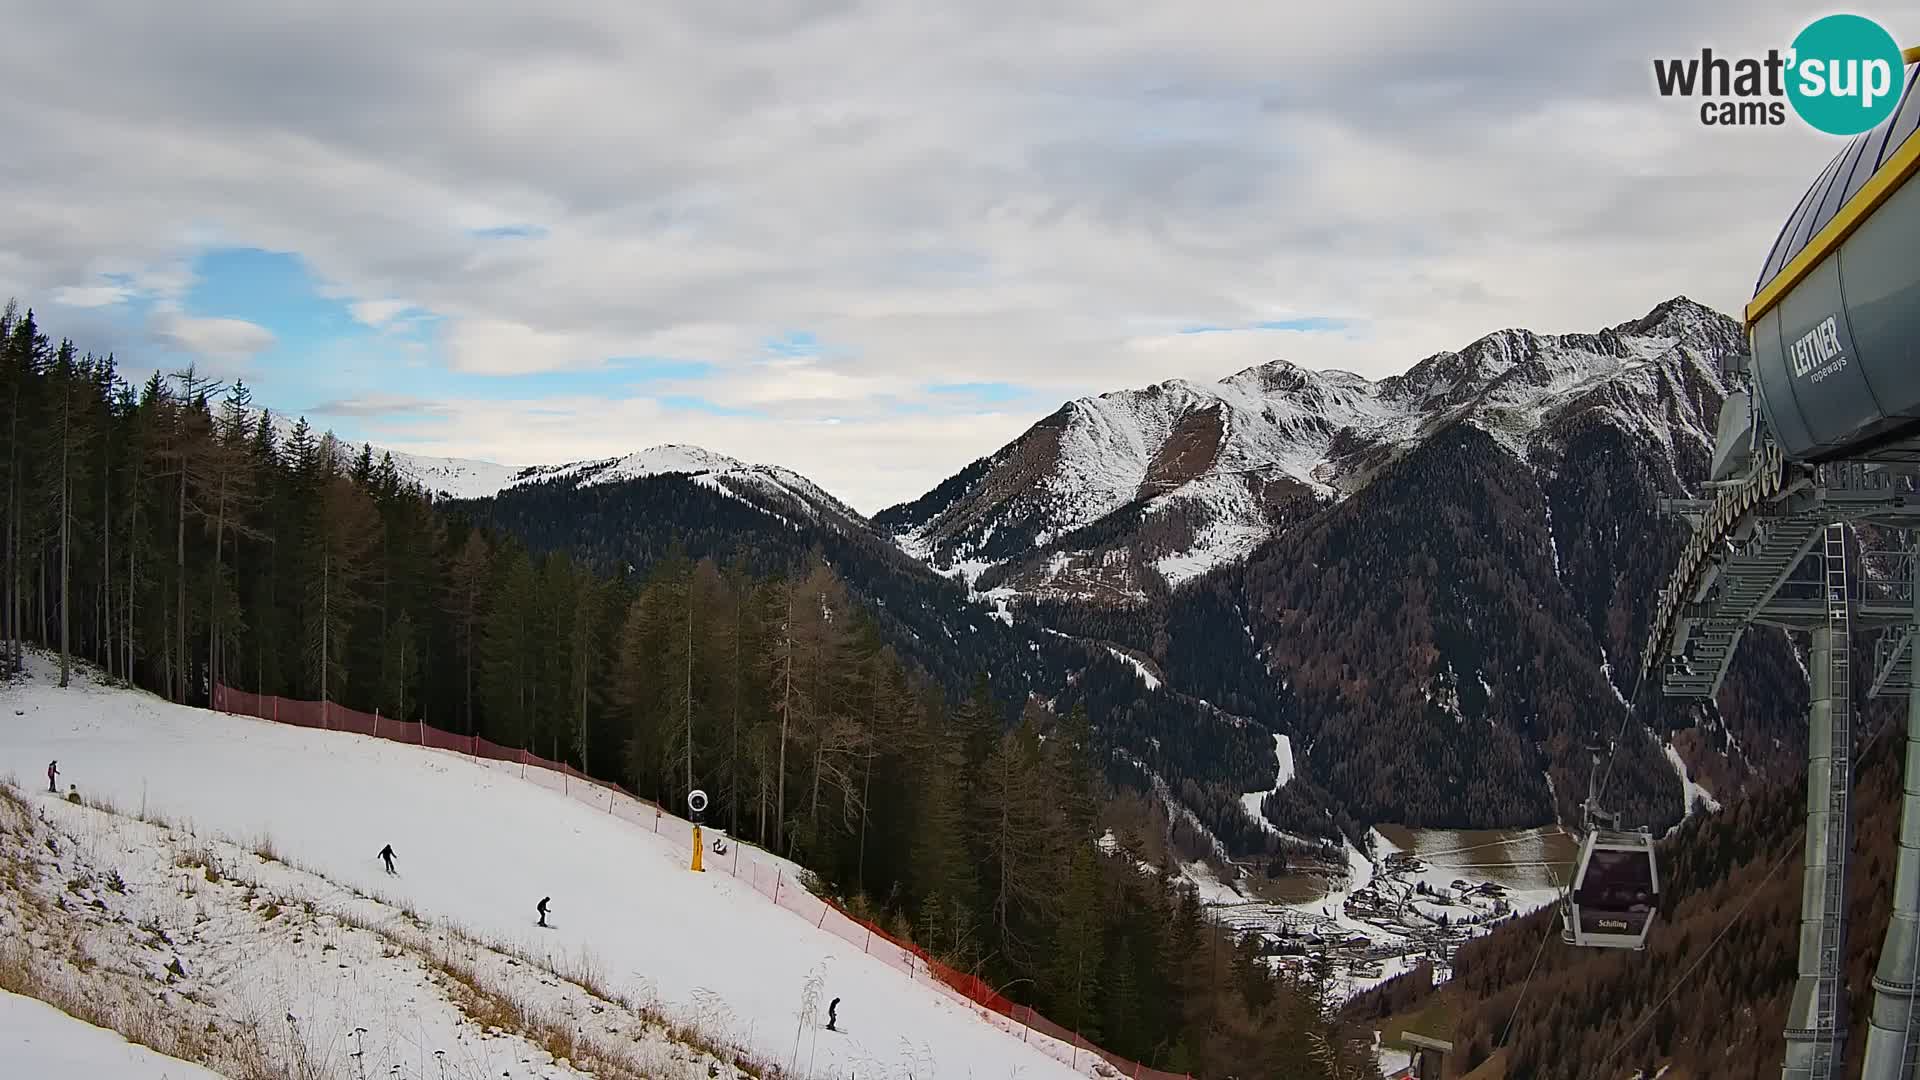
1893 662
1747 580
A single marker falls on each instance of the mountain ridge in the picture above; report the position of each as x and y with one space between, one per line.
1178 478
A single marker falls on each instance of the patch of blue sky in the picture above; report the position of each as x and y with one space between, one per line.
793 343
986 393
322 354
509 232
695 403
1307 324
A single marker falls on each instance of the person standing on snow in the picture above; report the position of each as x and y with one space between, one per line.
386 855
53 770
542 909
833 1007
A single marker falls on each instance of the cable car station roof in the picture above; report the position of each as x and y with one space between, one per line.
1871 167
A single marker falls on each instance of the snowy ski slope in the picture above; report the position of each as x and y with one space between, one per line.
479 846
40 1041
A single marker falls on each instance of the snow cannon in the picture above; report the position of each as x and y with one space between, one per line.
697 811
1834 323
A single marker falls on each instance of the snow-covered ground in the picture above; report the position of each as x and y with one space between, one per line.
40 1042
234 958
1221 543
1283 758
1146 676
1691 793
478 846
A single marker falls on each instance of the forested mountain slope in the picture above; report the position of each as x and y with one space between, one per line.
1206 757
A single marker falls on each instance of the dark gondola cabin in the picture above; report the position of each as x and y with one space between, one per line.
1615 890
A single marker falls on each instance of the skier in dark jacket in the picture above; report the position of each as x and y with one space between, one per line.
542 908
386 856
833 1007
53 770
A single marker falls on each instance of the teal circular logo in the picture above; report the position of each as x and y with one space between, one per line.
1845 74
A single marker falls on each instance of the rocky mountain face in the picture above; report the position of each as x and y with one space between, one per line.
1114 498
1443 611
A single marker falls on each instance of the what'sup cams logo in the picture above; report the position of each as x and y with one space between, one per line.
1842 75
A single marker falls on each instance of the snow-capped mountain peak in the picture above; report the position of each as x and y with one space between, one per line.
778 490
1183 476
654 461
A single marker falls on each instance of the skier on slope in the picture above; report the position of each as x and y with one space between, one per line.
542 909
386 856
53 770
833 1007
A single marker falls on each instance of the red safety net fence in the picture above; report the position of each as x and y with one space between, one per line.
765 873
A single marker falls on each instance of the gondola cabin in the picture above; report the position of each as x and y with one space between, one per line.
1616 887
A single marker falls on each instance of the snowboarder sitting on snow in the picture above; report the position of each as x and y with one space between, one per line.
832 1008
542 908
386 856
53 770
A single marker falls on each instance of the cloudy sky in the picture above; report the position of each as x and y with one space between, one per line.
868 241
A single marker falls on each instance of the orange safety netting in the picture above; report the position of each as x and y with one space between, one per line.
759 869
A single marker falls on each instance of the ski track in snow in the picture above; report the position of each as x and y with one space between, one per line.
1145 675
1283 756
479 846
1693 793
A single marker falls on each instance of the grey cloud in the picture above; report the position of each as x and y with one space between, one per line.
1004 190
222 339
379 405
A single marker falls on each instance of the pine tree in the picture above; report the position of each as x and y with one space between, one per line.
26 355
402 656
227 496
584 626
1078 946
466 603
508 645
70 434
343 530
793 701
941 863
186 451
